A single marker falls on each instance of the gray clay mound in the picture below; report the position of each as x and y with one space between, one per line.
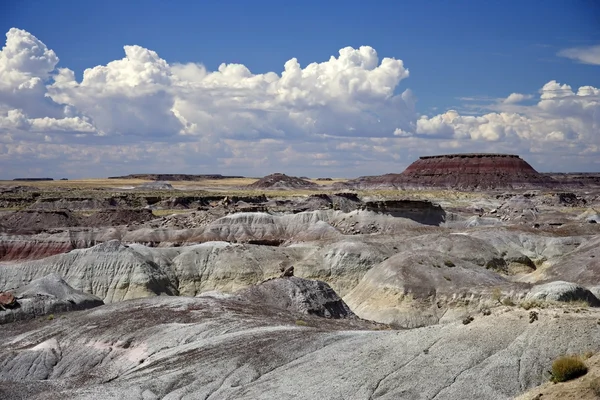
47 295
299 295
282 181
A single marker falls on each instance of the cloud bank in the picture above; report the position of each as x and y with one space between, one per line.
346 116
585 55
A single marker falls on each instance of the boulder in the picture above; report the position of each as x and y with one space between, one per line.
7 300
563 292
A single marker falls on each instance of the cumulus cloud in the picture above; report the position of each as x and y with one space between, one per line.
562 117
585 55
514 98
347 115
351 95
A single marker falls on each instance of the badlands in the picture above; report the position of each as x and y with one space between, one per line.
463 277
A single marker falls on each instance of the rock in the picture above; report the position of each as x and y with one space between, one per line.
7 300
533 316
421 211
47 295
300 296
563 292
286 272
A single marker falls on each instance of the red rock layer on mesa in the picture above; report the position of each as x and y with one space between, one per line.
462 171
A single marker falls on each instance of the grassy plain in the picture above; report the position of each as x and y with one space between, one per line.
96 188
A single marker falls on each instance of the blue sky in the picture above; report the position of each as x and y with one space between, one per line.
461 55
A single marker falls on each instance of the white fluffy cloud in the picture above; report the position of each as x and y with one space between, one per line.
514 98
561 121
585 55
345 116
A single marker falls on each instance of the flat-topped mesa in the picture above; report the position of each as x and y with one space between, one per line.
471 163
474 170
461 171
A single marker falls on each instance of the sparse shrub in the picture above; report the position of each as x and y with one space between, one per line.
467 320
508 302
529 304
300 322
449 264
566 368
50 317
496 295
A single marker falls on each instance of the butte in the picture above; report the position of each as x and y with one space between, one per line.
464 172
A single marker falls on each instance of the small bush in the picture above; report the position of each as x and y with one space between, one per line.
50 317
508 302
568 367
529 304
496 295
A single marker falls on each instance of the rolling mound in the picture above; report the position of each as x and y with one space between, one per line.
462 171
282 181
